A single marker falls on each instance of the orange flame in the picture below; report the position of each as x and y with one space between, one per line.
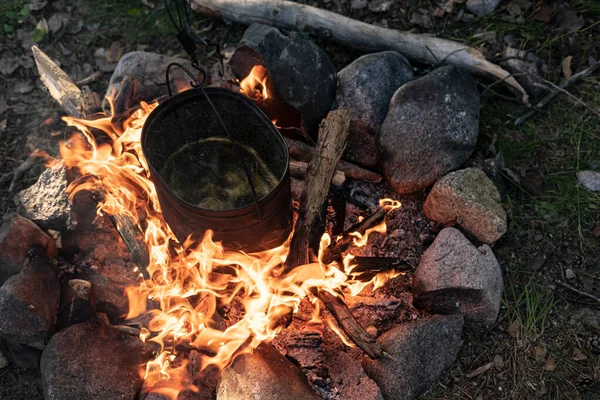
254 85
190 280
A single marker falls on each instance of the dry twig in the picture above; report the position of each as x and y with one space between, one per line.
557 90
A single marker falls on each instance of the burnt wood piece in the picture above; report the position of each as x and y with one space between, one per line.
379 264
310 225
304 152
368 268
350 325
123 102
132 235
298 169
421 48
74 101
334 251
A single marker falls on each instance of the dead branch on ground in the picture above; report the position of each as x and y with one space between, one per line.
556 91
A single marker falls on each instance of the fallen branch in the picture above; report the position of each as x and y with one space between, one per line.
304 152
60 86
15 176
298 169
416 47
556 91
579 292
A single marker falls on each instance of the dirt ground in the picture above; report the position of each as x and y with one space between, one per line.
542 345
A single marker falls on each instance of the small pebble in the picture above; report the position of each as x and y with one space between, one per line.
569 274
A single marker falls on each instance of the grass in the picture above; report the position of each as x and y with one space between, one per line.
529 305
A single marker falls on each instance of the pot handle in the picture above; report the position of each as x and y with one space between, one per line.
195 83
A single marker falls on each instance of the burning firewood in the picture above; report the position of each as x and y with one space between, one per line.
293 16
76 103
311 223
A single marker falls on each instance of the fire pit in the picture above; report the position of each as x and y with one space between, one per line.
222 300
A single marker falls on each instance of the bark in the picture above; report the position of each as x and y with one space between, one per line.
298 169
304 152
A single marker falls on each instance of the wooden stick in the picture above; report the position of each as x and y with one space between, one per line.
298 169
350 325
311 217
133 237
311 222
293 16
304 152
579 292
334 251
60 86
556 91
76 103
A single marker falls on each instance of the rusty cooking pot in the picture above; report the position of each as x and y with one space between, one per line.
219 163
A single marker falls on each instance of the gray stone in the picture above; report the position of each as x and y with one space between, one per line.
469 199
29 304
92 361
455 277
420 351
482 7
149 70
350 379
365 88
24 356
18 236
46 202
430 129
302 75
589 180
264 374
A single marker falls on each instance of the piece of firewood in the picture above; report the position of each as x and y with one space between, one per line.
60 86
310 225
366 37
304 152
123 103
350 325
334 251
298 169
81 104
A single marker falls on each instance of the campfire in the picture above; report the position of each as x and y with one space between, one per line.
190 281
195 196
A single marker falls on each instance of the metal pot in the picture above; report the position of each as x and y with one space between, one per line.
184 124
